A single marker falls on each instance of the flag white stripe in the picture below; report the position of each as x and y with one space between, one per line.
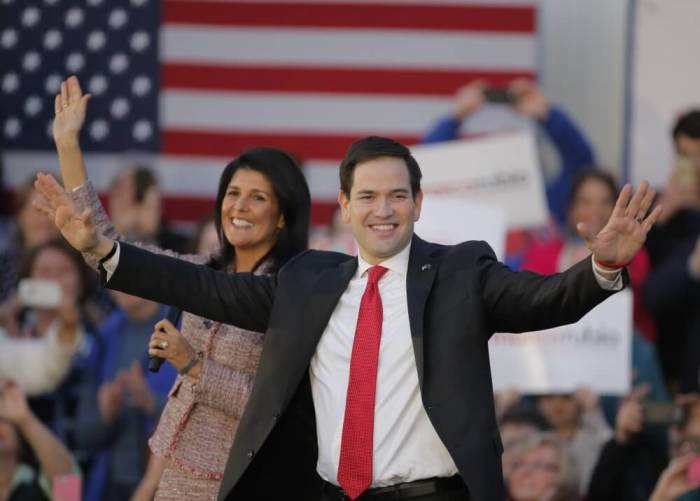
351 113
356 47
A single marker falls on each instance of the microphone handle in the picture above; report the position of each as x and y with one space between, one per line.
173 314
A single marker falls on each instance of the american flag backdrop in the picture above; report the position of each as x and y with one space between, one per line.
185 85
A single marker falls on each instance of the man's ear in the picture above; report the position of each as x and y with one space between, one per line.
418 201
344 201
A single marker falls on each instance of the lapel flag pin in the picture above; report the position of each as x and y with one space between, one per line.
426 267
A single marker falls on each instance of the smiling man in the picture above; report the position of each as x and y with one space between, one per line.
387 351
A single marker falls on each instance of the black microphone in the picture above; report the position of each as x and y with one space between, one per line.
173 314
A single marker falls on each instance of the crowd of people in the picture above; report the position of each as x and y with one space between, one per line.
77 398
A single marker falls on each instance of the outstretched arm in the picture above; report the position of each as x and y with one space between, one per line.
526 301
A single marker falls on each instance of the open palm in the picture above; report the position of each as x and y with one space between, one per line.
76 227
70 107
626 230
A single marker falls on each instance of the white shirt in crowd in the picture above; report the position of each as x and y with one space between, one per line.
38 365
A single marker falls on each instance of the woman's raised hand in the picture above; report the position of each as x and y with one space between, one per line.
70 106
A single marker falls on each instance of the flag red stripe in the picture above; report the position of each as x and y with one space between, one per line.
230 144
328 80
503 18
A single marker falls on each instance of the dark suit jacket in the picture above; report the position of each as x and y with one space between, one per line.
458 296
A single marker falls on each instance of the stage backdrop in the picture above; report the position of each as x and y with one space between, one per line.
665 82
185 85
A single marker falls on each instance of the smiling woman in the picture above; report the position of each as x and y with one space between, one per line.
262 220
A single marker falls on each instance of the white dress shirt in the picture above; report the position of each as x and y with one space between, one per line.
406 446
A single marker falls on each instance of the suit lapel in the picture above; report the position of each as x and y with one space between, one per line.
325 294
419 281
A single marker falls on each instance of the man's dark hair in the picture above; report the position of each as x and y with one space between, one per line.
373 147
688 125
144 178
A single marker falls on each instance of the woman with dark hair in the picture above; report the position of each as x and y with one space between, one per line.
262 219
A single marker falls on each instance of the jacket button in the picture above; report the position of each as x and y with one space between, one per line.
275 418
250 454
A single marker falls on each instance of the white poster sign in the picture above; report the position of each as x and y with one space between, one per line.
594 352
452 220
665 82
499 170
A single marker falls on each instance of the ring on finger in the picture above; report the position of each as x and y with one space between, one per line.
163 344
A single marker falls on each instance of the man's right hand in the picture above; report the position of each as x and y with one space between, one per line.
78 228
70 107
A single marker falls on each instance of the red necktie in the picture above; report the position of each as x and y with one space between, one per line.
355 467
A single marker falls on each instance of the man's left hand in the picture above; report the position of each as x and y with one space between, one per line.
624 234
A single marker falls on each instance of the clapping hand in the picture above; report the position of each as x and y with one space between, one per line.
626 230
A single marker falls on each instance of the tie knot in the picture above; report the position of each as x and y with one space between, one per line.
375 273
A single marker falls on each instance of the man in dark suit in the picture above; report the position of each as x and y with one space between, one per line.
388 351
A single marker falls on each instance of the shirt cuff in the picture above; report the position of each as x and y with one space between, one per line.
110 265
615 284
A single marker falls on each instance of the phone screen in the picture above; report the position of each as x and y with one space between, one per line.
662 413
39 293
501 96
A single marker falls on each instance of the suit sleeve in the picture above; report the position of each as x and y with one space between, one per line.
526 301
241 299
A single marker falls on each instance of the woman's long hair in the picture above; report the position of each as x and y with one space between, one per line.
292 192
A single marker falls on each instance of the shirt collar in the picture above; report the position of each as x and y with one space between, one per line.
398 263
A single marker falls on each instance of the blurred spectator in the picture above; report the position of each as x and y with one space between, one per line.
631 461
337 237
121 401
672 292
528 100
29 229
674 484
546 471
19 479
518 424
205 241
136 209
578 420
56 261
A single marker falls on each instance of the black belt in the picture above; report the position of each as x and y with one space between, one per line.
406 490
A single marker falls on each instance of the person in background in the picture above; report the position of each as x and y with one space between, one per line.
205 241
136 208
575 151
518 425
262 221
579 422
674 485
632 459
54 388
546 471
121 401
28 230
672 291
19 479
